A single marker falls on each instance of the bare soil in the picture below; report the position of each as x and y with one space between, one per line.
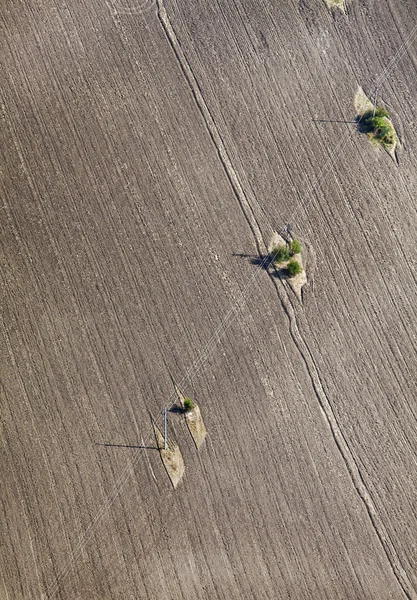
146 151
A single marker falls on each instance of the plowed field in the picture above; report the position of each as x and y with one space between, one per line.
148 153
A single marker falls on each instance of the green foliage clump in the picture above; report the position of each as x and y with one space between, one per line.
295 247
283 253
188 404
380 111
280 254
383 131
378 125
294 267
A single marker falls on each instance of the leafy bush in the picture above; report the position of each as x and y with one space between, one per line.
280 254
383 131
294 267
188 404
380 111
295 247
378 126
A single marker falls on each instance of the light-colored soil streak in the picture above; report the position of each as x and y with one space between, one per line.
301 344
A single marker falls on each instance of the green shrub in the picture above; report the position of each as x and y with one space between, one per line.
383 130
294 267
380 111
378 126
188 404
295 247
367 119
280 254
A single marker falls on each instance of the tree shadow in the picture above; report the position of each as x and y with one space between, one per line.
281 273
177 410
363 124
266 262
262 261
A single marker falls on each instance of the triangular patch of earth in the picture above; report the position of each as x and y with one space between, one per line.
193 419
171 457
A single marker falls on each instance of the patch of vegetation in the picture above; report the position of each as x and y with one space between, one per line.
283 253
295 247
380 111
280 254
378 126
188 404
294 267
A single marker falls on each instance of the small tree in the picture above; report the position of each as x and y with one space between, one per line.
295 247
188 404
368 115
280 254
294 268
383 131
377 126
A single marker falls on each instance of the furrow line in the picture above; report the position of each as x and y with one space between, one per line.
281 289
211 126
343 446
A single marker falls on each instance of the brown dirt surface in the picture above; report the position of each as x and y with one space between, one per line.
148 151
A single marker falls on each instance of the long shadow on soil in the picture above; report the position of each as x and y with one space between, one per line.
128 446
332 121
266 263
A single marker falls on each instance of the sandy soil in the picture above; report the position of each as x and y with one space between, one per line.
196 425
171 457
193 418
336 4
142 152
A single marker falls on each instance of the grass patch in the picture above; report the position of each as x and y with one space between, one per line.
281 254
295 247
336 3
